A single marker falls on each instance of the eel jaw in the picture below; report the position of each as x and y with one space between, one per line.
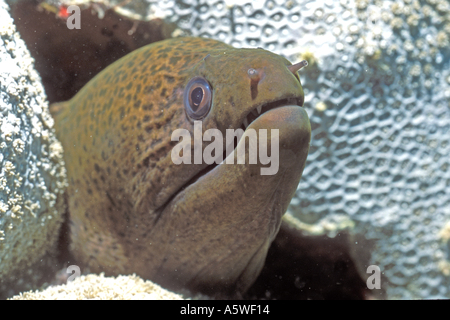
227 244
248 119
259 110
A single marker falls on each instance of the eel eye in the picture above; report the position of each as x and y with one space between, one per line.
197 98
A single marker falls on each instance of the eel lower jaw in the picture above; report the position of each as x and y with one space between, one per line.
248 119
236 208
251 117
257 113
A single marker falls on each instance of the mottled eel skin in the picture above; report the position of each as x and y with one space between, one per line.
132 210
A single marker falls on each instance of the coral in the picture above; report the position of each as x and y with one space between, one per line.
99 287
378 100
32 173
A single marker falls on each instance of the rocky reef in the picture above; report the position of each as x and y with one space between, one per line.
32 173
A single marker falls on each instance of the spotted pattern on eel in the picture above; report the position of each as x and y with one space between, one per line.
197 226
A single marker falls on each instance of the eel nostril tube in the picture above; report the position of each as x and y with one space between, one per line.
295 67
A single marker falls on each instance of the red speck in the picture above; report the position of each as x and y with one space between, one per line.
63 12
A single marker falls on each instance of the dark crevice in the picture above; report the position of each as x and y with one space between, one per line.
67 59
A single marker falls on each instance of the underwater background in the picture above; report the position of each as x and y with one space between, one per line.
377 91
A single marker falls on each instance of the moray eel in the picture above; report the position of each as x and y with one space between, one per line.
197 226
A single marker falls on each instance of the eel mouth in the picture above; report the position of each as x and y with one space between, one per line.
259 110
248 119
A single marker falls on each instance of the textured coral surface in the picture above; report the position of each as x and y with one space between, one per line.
32 173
